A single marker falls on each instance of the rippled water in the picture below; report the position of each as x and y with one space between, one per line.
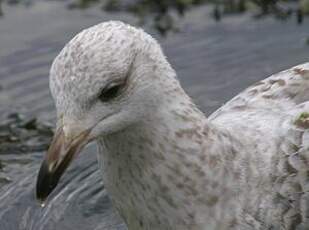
80 201
213 61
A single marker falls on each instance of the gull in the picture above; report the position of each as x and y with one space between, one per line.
164 164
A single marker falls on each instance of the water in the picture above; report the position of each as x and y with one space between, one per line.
214 62
80 201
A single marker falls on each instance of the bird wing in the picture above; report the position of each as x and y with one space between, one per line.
274 113
281 91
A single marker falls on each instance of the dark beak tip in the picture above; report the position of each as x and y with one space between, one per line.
45 183
48 178
41 198
41 201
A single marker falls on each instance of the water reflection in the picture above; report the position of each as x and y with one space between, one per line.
20 136
79 202
164 15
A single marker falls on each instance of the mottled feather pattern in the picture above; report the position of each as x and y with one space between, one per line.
273 113
165 165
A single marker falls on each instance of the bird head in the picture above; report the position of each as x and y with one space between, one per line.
107 78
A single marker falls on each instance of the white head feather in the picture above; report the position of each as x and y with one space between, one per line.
141 122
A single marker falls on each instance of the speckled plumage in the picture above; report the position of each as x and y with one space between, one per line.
164 164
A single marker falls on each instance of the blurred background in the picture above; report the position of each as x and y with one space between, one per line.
218 48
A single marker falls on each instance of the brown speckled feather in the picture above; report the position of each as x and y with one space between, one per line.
274 115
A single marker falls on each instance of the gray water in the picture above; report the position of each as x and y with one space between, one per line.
214 62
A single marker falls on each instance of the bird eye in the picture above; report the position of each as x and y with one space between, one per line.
109 93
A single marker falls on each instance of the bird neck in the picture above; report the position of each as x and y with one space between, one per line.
152 167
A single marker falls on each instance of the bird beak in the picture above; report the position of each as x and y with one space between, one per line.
59 155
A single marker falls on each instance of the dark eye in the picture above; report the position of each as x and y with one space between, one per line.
109 93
